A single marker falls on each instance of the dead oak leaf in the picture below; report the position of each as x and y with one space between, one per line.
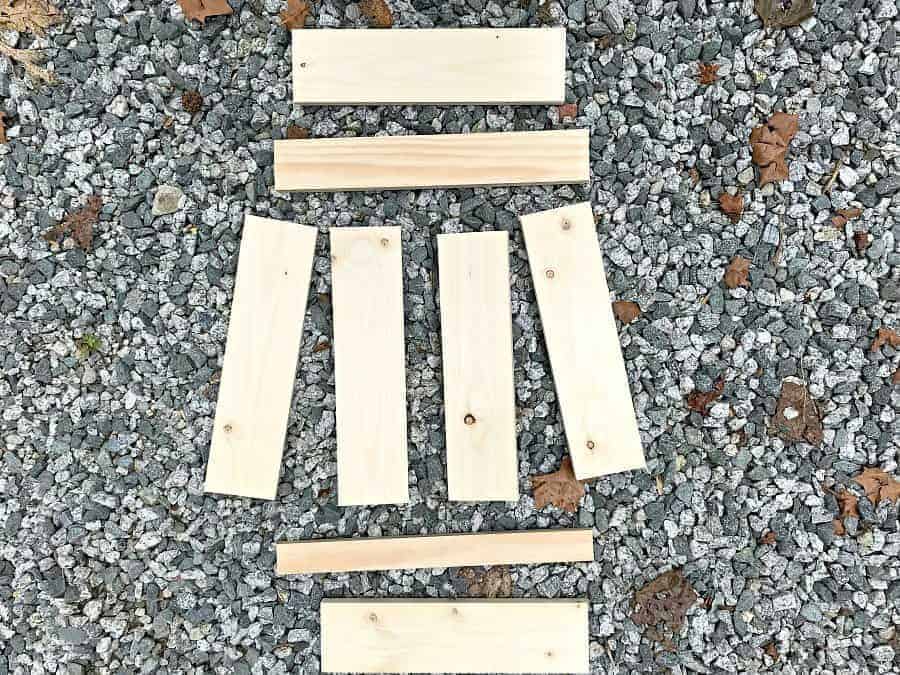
294 16
885 336
771 651
493 583
861 241
842 216
878 485
567 110
626 311
769 145
699 401
80 225
783 13
295 132
895 378
201 10
737 273
665 600
797 416
707 73
848 505
732 205
322 346
28 16
559 488
377 12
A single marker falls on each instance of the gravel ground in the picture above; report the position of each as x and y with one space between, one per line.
113 560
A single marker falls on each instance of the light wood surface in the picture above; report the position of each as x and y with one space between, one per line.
260 362
369 365
435 160
479 393
445 550
429 65
455 636
582 341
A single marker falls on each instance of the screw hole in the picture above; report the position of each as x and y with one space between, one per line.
227 428
385 242
373 617
566 224
550 274
303 64
469 419
590 445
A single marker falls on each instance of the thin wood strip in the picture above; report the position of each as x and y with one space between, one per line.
446 550
455 636
439 160
260 361
582 341
429 65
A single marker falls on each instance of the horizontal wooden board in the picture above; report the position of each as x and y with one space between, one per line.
446 550
429 65
479 393
260 358
582 341
369 365
455 636
437 160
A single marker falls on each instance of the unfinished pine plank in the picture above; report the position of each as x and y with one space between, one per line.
369 365
439 160
260 358
580 331
455 636
430 65
445 550
479 393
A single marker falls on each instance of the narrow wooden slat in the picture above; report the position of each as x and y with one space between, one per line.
369 365
455 636
440 160
479 393
260 358
446 550
436 65
580 331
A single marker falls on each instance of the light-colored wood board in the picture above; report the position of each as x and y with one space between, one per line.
582 341
429 65
445 550
455 636
479 392
435 160
369 365
260 362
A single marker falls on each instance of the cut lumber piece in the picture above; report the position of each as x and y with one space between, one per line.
479 392
438 160
369 365
260 361
582 341
429 65
444 550
455 636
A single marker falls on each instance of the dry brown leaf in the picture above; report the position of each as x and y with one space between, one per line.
861 241
843 216
699 401
895 378
80 224
569 110
2 127
321 346
785 125
559 488
28 16
31 61
771 651
885 336
737 273
296 132
707 73
626 311
784 13
493 583
732 205
878 485
377 12
665 600
769 145
775 172
797 417
294 16
192 101
201 10
768 538
848 503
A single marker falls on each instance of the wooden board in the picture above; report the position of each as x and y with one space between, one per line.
446 550
369 365
260 362
479 393
436 160
429 65
455 636
580 331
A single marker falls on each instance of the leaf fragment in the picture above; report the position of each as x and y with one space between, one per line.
295 131
707 73
769 145
771 651
80 225
192 101
665 600
797 416
861 240
294 16
28 16
377 12
784 13
559 488
848 505
201 10
2 127
768 538
496 582
732 205
878 485
885 336
699 401
738 272
626 311
567 110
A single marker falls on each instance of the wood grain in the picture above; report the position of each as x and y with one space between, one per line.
439 160
429 65
446 550
582 341
260 361
479 393
369 365
455 636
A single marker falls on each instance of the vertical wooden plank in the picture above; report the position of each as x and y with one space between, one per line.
479 393
580 331
369 365
260 358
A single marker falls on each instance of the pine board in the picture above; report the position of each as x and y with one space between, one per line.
260 362
435 160
369 365
582 341
446 550
479 393
429 66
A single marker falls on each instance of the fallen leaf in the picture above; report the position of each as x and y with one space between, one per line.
665 600
895 379
732 205
321 346
201 10
80 225
784 13
605 41
191 101
294 132
31 61
769 145
707 73
559 488
848 505
569 110
737 273
28 16
843 216
2 127
797 417
294 16
699 401
861 241
768 538
493 583
695 175
885 336
377 12
785 125
771 651
775 172
878 485
626 311
324 493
